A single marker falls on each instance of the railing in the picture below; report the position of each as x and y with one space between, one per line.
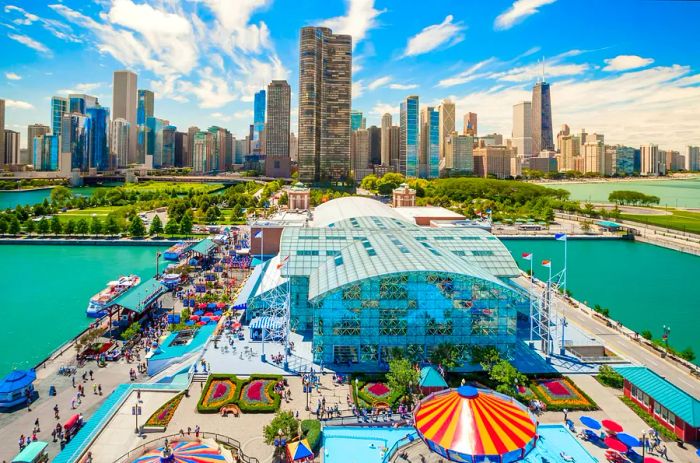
408 439
160 441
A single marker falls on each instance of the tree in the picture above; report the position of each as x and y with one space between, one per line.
43 226
646 334
186 223
401 374
389 182
82 227
14 226
136 228
156 226
131 331
236 213
507 377
30 226
96 226
69 228
3 226
486 356
283 421
60 194
213 214
111 225
172 227
56 225
585 226
369 183
447 355
687 354
284 199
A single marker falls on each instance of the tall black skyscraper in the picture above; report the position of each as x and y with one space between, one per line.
542 137
375 145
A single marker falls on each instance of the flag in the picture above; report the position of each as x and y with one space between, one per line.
527 255
282 262
560 236
546 263
259 234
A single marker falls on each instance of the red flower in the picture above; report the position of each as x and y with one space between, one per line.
378 389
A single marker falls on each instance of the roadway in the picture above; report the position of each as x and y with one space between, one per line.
622 341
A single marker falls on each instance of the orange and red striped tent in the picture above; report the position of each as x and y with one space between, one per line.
468 424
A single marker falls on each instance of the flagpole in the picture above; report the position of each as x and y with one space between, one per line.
532 290
562 350
550 347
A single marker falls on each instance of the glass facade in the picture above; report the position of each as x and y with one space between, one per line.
624 160
355 120
433 167
408 150
59 106
74 140
98 138
258 120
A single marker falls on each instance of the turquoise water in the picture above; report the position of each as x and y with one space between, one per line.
673 193
349 444
10 199
554 439
644 286
46 289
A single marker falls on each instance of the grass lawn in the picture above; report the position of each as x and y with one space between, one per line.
680 220
179 187
76 214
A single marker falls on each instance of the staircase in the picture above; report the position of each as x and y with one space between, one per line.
200 377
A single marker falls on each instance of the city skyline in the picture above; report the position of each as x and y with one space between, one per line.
620 74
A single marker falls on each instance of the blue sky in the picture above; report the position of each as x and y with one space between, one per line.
627 68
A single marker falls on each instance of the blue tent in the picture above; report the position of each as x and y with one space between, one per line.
17 380
299 450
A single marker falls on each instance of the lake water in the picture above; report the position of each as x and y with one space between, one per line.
10 199
644 286
45 291
673 193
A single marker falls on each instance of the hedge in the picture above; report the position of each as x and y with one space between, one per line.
648 419
563 404
311 429
252 407
215 409
391 399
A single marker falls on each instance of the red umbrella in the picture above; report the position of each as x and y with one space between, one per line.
615 444
201 305
220 305
194 317
215 318
236 325
612 426
651 460
209 314
201 323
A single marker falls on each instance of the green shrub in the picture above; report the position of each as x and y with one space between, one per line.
257 407
201 408
648 419
362 399
609 377
311 429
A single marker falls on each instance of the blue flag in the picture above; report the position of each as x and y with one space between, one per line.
560 236
258 235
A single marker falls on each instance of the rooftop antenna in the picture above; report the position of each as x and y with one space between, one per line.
543 69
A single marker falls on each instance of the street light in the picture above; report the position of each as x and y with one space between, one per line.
136 410
667 332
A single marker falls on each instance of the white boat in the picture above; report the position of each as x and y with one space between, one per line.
99 303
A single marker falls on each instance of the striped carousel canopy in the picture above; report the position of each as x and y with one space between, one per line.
475 425
184 452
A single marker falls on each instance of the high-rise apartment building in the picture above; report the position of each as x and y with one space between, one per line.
46 152
119 145
259 102
80 102
219 150
447 123
241 150
394 147
375 145
429 161
692 158
542 138
200 142
181 149
360 157
153 140
277 129
459 155
570 150
563 132
623 160
325 93
522 129
59 106
594 154
33 131
191 132
166 147
357 120
493 160
74 141
125 105
2 133
386 140
11 148
652 162
409 143
470 124
145 109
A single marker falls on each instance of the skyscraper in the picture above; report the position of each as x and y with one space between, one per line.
522 128
408 139
33 131
357 120
80 102
45 149
119 146
360 154
74 141
542 138
394 147
277 129
2 133
429 162
692 158
124 106
652 162
59 106
470 124
447 123
12 147
375 145
258 121
145 109
97 137
325 93
181 149
459 154
386 140
594 154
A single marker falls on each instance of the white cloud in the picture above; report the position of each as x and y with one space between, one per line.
211 90
380 82
57 28
626 62
244 114
467 75
518 12
233 31
85 87
379 109
31 43
221 117
18 104
27 18
403 86
12 76
360 18
358 89
434 36
531 72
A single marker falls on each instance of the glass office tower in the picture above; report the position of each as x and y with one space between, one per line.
408 138
98 138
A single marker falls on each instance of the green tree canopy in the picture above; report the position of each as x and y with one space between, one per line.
447 355
186 223
56 225
172 227
14 226
30 226
111 225
283 421
60 194
43 226
69 228
82 227
136 228
156 226
401 374
632 197
96 226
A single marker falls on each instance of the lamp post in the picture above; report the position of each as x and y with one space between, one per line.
157 263
667 333
137 412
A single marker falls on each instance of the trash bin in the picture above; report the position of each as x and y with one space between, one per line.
52 390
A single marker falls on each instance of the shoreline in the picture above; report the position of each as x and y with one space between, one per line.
23 190
579 181
91 241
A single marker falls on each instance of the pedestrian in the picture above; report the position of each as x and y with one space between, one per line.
55 412
73 380
566 414
99 389
94 389
53 435
72 404
91 379
21 442
29 404
36 425
189 430
182 433
663 451
196 431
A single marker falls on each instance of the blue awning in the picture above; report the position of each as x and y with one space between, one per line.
248 289
266 323
17 380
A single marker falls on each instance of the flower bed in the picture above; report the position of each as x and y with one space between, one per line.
159 420
219 390
561 393
373 392
258 395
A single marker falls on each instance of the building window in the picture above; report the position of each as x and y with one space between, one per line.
657 408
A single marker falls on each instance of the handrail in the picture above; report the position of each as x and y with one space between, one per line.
411 437
220 438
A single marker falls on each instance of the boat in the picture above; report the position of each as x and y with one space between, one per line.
171 280
100 302
176 251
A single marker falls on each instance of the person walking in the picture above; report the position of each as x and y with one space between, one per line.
91 378
55 412
196 431
36 425
99 389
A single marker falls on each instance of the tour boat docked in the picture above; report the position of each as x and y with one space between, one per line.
99 303
176 251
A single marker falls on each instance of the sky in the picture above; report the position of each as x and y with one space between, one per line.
629 69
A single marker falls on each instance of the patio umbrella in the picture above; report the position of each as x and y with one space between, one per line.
236 325
615 444
698 452
194 317
628 439
612 426
189 322
218 312
205 319
209 314
201 323
654 460
211 305
199 312
215 318
201 305
589 422
220 305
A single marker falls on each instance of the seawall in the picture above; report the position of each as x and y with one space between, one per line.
90 241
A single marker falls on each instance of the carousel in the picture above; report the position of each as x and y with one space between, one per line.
470 425
182 452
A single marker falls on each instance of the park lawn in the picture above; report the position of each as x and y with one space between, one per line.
684 221
179 187
76 214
